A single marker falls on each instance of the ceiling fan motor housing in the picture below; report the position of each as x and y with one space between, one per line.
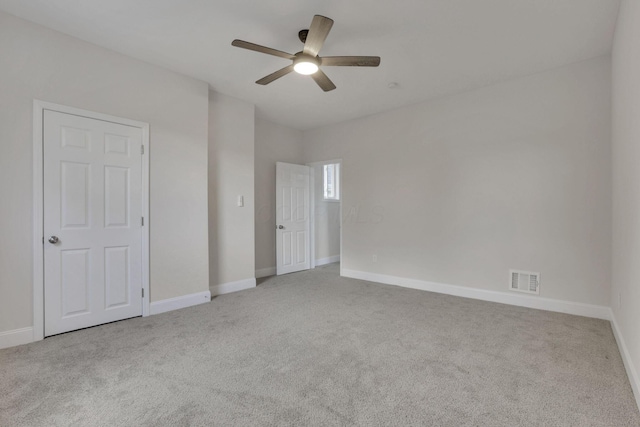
302 35
303 57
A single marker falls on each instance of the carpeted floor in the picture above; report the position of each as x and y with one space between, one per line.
316 349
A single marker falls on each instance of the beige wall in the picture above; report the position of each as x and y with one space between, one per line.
37 63
326 219
231 174
625 298
273 143
461 189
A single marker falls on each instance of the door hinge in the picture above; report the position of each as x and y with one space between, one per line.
142 149
142 221
142 292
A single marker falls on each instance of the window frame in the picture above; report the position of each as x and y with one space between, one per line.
336 182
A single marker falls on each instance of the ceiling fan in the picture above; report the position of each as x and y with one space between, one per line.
307 62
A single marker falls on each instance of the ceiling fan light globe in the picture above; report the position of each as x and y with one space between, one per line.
305 67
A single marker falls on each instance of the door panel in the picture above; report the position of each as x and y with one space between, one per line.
292 214
116 196
301 245
93 205
74 139
116 265
75 271
287 258
117 144
75 194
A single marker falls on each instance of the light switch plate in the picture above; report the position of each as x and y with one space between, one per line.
240 201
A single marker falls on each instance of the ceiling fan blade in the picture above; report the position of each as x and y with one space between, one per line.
262 49
318 32
275 76
323 81
351 61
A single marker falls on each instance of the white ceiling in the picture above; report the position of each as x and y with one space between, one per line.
429 47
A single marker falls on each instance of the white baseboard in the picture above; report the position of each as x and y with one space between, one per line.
177 303
328 260
16 337
227 288
632 373
271 271
576 308
265 272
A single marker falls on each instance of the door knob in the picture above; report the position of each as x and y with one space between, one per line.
281 227
54 239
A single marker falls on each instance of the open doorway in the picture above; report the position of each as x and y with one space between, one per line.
326 213
308 215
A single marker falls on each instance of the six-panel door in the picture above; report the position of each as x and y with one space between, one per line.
292 218
93 208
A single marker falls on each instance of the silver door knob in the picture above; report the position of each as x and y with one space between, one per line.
54 239
281 227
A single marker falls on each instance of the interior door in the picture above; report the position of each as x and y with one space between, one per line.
92 222
292 218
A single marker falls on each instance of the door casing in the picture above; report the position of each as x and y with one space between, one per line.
38 204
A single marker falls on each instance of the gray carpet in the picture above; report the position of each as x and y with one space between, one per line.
316 349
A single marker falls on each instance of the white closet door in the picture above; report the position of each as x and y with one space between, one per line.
92 222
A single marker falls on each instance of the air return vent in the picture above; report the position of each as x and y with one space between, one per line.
524 281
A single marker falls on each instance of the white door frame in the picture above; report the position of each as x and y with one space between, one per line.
38 204
312 207
312 215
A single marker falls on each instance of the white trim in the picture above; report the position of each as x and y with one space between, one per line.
271 271
16 337
177 303
146 263
341 219
312 216
38 221
328 260
38 209
227 288
265 272
576 308
325 162
632 373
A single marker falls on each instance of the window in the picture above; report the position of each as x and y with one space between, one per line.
331 174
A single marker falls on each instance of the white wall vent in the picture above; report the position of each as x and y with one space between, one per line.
524 281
